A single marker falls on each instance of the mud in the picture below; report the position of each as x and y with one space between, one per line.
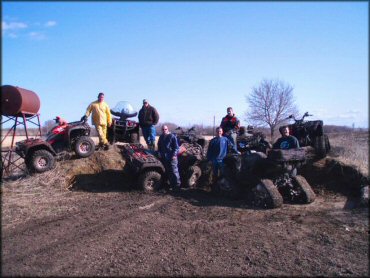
85 218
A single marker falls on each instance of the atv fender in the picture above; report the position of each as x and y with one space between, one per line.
29 146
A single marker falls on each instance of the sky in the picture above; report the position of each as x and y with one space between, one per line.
191 60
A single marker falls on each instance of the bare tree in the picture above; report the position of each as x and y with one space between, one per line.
270 104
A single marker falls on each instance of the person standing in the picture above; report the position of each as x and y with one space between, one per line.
148 118
286 141
101 118
230 125
168 149
217 150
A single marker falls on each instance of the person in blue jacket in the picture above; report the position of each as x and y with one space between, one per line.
217 150
168 149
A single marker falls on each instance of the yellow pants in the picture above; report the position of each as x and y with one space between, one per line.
102 133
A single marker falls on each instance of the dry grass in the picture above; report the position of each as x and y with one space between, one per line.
351 149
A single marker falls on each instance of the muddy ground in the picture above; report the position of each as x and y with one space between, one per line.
84 218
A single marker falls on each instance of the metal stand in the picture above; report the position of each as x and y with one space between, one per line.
10 161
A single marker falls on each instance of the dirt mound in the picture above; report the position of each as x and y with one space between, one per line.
103 170
333 175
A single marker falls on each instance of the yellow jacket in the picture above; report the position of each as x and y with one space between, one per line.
100 113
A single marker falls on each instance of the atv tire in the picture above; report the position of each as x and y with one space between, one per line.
266 195
319 145
134 138
150 181
192 176
84 146
307 195
40 161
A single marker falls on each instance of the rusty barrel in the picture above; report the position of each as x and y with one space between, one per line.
16 101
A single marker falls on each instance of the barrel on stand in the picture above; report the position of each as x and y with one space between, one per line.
16 101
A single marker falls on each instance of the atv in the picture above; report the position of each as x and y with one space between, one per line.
250 141
40 155
192 163
281 168
122 129
190 136
266 180
310 133
191 157
145 165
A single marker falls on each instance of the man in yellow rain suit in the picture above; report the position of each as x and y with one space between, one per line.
101 118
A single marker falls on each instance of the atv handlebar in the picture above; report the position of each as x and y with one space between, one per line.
300 120
187 131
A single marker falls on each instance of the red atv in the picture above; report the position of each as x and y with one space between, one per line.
40 155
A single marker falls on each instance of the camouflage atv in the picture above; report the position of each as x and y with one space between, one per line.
192 164
266 181
191 157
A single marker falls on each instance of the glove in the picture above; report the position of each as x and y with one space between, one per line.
84 118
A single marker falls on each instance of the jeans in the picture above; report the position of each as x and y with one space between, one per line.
232 138
172 170
149 134
218 167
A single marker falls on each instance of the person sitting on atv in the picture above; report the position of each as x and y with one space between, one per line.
286 141
60 121
217 150
230 125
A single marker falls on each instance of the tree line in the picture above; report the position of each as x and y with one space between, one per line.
270 104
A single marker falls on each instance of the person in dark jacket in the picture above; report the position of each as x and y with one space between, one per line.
286 141
148 118
230 125
217 150
168 149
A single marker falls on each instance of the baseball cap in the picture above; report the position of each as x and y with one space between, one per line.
145 100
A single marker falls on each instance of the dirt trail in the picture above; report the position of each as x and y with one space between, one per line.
105 227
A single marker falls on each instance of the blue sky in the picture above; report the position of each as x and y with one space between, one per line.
191 60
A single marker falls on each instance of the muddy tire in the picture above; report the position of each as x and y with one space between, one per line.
319 145
192 176
266 195
134 138
149 181
40 161
306 195
84 146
